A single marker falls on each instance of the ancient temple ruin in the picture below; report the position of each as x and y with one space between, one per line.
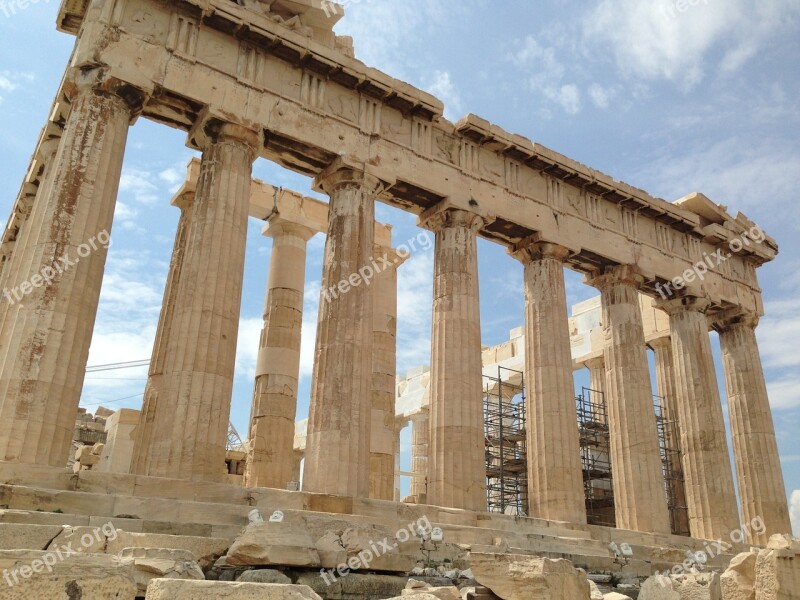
252 79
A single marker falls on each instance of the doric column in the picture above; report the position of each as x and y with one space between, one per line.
383 434
420 437
55 275
272 416
338 446
456 464
710 495
555 473
597 377
153 414
197 379
755 449
639 494
665 383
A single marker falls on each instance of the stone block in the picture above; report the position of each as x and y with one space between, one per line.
205 550
264 576
156 563
17 536
176 589
697 586
87 540
777 575
415 589
516 577
738 581
262 544
85 576
658 587
616 596
354 586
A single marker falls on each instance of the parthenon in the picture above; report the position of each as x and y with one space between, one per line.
252 79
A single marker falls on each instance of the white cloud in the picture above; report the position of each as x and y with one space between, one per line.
442 87
566 96
660 40
794 511
546 73
247 346
601 96
11 81
139 184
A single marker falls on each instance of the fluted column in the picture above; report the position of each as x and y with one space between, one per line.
420 438
639 493
153 413
197 378
597 376
710 495
271 442
383 434
755 449
58 267
456 464
555 473
665 383
338 445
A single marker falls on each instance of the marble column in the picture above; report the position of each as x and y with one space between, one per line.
420 438
710 494
665 384
456 463
383 435
555 472
57 271
152 412
639 492
338 445
597 377
755 449
200 356
274 410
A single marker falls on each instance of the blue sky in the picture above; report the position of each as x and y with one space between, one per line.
670 97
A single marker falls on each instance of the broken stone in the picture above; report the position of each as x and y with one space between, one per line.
594 591
697 586
271 543
264 576
780 541
738 581
658 587
14 536
777 575
416 588
616 596
155 563
178 589
517 577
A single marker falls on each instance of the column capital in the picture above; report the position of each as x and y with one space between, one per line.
595 362
184 200
277 226
731 319
614 274
660 342
345 172
683 303
535 248
444 216
211 129
98 81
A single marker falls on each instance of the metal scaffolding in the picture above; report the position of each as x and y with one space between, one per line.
596 458
504 428
674 483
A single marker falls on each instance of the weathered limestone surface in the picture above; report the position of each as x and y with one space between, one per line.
456 462
153 415
45 336
175 589
738 581
697 586
755 449
515 577
198 369
117 453
205 550
420 589
778 574
639 495
264 576
665 383
597 374
384 375
710 494
85 576
156 563
338 444
555 475
274 410
353 587
19 536
262 544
